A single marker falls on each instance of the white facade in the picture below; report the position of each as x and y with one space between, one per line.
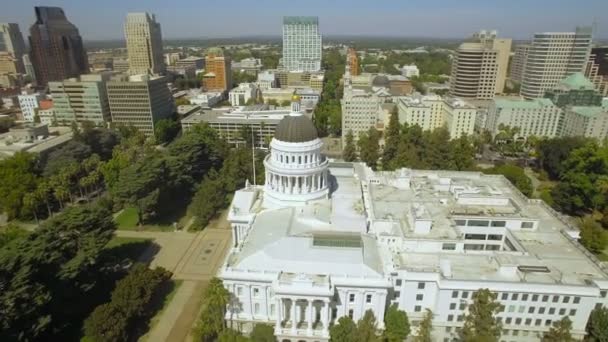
539 117
432 111
47 116
459 117
206 99
360 112
29 103
419 239
243 93
424 111
410 71
266 80
553 56
590 122
301 44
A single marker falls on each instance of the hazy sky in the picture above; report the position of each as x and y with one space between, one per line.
103 19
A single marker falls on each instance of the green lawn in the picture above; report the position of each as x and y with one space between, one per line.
131 248
127 220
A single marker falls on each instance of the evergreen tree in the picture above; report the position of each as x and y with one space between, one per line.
559 332
366 328
480 325
425 329
349 153
397 324
344 331
592 235
211 322
597 328
391 141
369 148
462 155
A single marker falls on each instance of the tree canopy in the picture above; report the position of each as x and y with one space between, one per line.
597 328
52 266
397 324
425 329
344 331
515 175
480 323
130 305
211 321
559 332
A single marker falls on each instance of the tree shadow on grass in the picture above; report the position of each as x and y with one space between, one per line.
124 255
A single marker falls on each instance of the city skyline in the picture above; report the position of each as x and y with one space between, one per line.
187 19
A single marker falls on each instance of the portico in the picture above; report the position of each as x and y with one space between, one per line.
302 316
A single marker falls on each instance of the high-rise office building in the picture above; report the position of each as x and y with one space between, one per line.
83 99
518 63
301 44
352 61
144 44
28 67
552 57
57 51
12 48
218 74
597 69
479 68
140 101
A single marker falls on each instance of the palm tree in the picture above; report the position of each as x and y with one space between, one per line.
44 193
61 193
32 202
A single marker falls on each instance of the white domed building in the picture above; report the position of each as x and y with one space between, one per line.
321 240
296 171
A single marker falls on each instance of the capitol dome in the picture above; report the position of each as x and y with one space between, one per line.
296 171
295 129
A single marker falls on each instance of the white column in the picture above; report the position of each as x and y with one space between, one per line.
279 318
251 301
343 299
310 309
266 303
306 184
293 315
325 317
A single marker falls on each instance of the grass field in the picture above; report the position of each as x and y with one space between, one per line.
127 220
130 248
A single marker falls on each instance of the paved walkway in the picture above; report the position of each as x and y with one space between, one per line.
194 258
173 311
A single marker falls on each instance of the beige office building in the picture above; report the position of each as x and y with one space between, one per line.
139 101
81 99
144 44
552 57
424 111
479 68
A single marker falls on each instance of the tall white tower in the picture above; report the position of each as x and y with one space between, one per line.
301 44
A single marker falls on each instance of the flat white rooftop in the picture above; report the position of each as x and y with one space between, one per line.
462 226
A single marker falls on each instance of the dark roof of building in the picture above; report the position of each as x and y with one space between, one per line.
380 81
295 128
300 20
